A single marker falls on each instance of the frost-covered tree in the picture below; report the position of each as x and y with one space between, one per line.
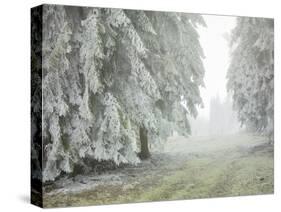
251 73
115 81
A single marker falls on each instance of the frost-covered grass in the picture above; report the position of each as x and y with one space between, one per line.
228 166
202 179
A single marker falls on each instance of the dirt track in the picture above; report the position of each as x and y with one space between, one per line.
199 167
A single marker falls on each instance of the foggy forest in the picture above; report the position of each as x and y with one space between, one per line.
133 106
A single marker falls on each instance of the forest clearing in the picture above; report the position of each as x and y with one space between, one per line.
133 106
199 167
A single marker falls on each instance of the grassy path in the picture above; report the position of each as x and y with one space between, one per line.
193 168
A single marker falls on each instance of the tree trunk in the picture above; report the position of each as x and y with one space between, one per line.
144 153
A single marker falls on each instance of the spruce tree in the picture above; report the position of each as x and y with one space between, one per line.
251 73
115 82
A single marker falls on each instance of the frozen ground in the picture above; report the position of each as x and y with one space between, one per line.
198 167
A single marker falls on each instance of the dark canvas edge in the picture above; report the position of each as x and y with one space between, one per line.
36 15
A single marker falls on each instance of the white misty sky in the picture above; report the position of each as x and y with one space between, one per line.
216 50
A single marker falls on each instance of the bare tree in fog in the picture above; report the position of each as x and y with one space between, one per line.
222 117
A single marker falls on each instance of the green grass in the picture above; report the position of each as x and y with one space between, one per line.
219 175
205 179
